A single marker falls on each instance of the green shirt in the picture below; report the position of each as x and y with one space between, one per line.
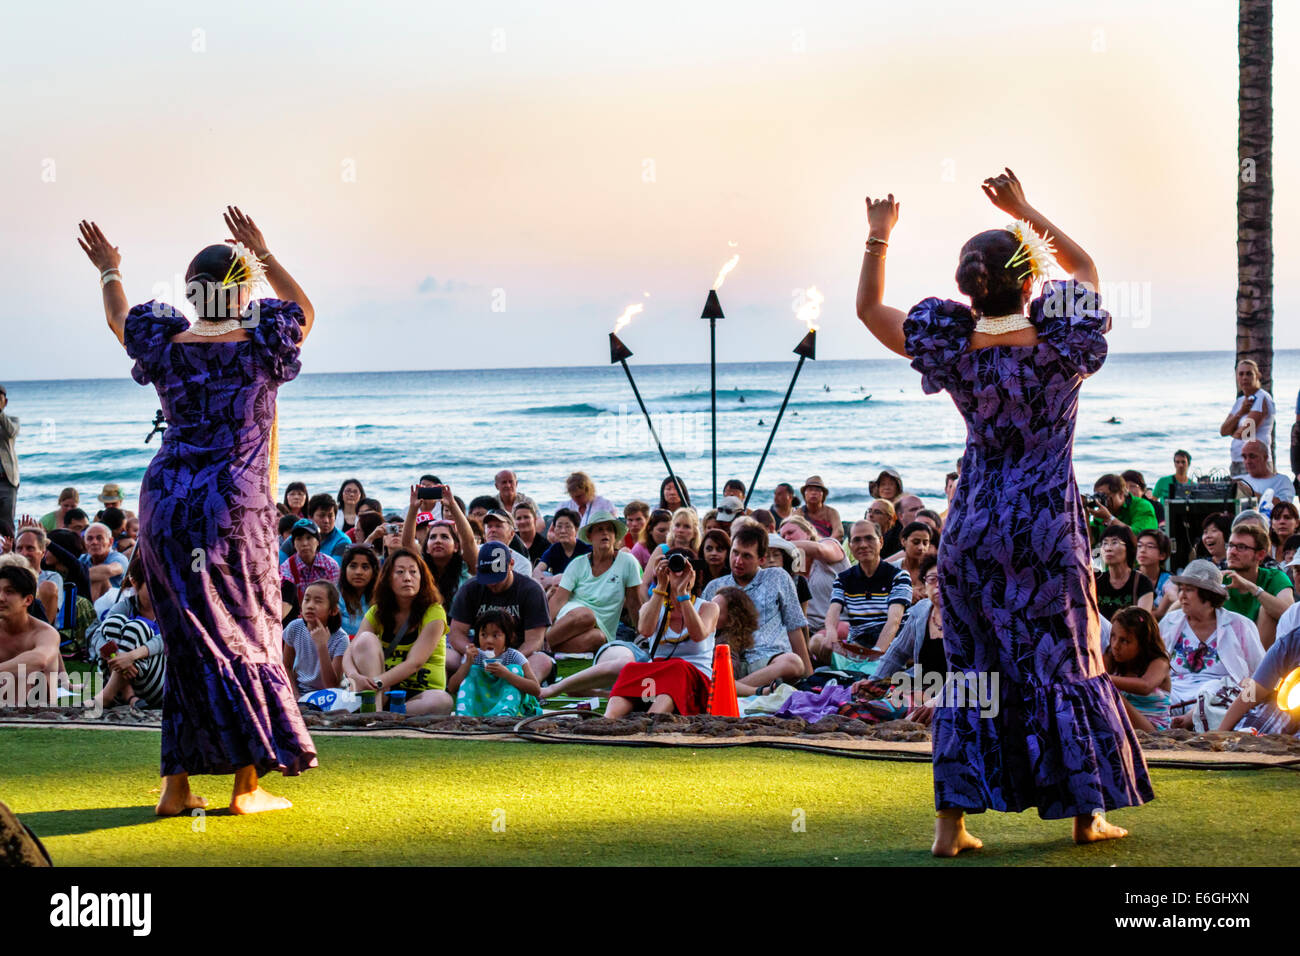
1169 484
604 594
1271 580
1137 513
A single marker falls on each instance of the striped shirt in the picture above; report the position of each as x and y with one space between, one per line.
865 600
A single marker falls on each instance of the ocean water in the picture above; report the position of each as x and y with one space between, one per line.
846 419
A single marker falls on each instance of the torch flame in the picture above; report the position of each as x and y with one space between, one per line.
811 309
722 274
621 323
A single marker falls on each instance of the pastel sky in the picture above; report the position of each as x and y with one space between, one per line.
416 165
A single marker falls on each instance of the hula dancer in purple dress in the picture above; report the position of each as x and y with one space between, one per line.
1019 602
207 512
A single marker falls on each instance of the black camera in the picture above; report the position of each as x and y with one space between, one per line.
677 563
429 492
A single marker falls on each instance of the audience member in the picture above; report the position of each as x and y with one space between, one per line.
779 651
595 588
104 565
315 643
76 611
635 515
824 518
68 499
872 595
916 539
888 485
1136 484
584 500
729 509
653 535
1113 504
358 573
680 630
111 497
734 488
494 678
509 497
1209 646
1153 548
766 519
499 526
555 561
823 559
295 500
1258 698
784 501
1252 414
920 643
1259 477
496 587
715 552
672 494
31 543
1283 523
1257 593
683 532
76 521
1120 584
1213 545
29 648
528 540
351 495
949 490
1179 483
1138 664
402 644
129 650
307 563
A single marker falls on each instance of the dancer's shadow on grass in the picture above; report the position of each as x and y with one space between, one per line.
52 823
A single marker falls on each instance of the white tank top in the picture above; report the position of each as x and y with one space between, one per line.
677 645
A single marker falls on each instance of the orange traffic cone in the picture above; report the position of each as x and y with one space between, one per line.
722 695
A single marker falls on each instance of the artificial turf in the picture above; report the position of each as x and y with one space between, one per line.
89 794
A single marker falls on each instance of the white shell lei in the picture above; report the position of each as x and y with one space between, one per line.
1002 324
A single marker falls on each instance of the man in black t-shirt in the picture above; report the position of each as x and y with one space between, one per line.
497 588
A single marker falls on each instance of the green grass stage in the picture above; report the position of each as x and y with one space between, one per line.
89 794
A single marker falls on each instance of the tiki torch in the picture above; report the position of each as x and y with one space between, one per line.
620 353
713 312
806 349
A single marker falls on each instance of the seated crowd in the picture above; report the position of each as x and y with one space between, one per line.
468 608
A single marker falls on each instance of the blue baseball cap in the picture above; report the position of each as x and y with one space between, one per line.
494 562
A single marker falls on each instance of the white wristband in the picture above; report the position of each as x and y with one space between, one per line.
111 276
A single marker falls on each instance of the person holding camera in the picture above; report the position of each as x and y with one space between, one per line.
1112 503
680 629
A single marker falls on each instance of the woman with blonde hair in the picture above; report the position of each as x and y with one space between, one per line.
583 498
683 532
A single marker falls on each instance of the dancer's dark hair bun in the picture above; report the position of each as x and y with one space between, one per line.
212 263
983 275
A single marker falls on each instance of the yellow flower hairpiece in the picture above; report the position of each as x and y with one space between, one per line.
245 269
1035 251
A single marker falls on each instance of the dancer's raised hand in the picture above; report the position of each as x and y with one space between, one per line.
882 215
1005 192
244 230
98 249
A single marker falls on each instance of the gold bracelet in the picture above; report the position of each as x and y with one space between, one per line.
878 255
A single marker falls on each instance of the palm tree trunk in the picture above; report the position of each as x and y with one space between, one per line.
1255 189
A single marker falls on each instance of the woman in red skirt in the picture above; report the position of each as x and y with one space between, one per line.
677 673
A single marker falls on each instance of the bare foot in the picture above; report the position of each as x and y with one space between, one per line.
257 801
176 797
950 836
1092 828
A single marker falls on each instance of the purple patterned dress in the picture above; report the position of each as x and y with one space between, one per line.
1018 595
208 542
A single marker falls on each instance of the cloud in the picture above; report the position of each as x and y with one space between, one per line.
431 286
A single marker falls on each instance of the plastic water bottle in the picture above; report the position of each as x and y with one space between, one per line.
1266 503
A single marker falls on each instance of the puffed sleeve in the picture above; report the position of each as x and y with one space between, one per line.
935 333
1071 320
277 338
148 329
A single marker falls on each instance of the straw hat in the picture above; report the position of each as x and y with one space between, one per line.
603 517
112 492
815 481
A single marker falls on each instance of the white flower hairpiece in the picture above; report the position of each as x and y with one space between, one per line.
1035 251
245 269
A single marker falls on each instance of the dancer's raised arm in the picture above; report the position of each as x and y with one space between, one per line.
1005 192
882 321
244 230
107 259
